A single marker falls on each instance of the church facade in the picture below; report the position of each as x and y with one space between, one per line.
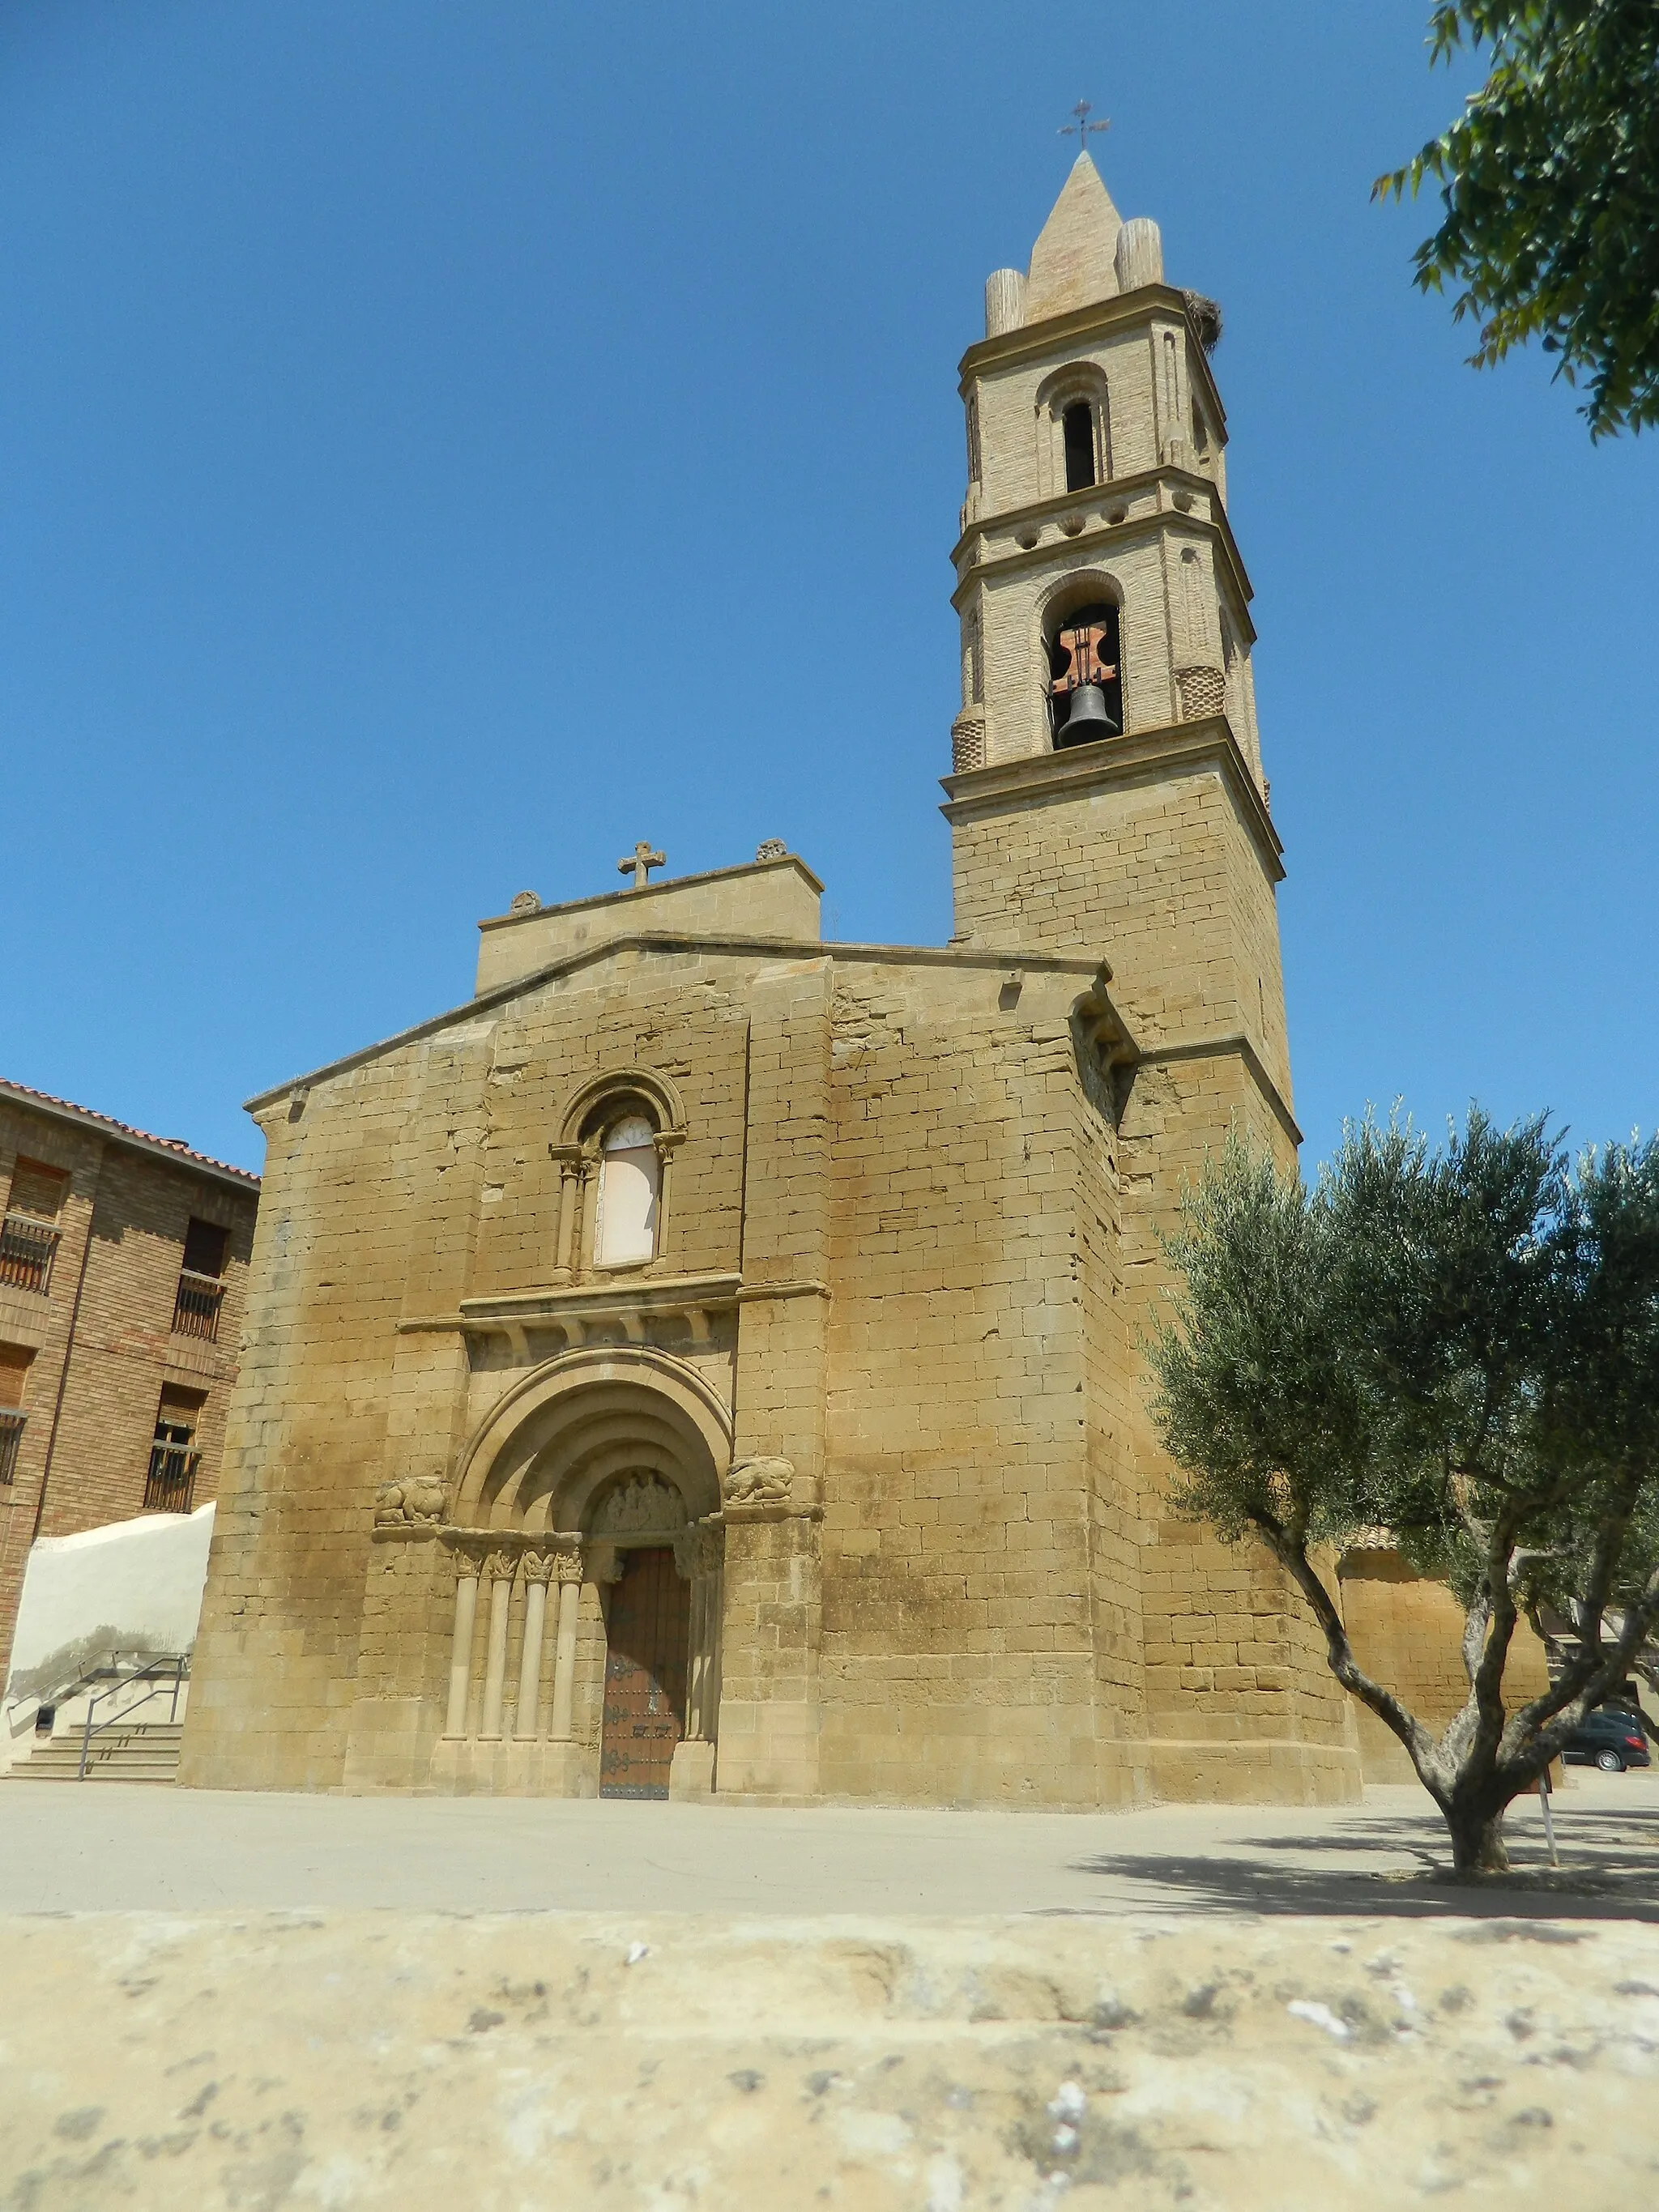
707 1361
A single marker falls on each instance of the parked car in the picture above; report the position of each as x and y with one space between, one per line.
1610 1740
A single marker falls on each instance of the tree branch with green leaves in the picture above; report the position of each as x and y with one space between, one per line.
1549 184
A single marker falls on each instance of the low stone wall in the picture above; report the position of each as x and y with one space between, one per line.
545 2060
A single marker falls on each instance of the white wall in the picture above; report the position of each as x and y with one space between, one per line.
134 1585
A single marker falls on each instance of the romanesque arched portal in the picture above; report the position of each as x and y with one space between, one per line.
597 1475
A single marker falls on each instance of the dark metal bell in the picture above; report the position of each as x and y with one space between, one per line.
1088 718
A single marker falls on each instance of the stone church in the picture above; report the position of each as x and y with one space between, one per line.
707 1361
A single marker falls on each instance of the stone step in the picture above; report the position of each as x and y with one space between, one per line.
139 1753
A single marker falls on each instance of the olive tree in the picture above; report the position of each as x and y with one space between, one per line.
1461 1347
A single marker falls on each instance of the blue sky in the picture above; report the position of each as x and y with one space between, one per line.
440 444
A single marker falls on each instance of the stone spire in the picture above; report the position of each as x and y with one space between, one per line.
1086 254
1073 263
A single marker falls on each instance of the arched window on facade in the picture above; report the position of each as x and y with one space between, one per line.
1077 431
630 1193
1085 676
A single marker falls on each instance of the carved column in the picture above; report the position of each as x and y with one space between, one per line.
460 1661
536 1567
585 1210
668 1142
567 1568
715 1612
499 1568
697 1551
698 1554
569 1159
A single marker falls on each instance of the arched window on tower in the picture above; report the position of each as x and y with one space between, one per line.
630 1191
1085 676
1078 429
1073 430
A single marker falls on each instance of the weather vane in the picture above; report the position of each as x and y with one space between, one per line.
1082 127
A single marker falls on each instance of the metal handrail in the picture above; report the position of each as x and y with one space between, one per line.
179 1666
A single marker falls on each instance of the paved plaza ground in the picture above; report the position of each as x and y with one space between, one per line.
270 2003
121 1847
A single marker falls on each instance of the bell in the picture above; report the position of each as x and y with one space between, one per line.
1088 718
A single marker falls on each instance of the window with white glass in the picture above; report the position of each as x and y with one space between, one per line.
631 1195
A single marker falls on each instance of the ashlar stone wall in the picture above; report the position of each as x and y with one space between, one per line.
981 1572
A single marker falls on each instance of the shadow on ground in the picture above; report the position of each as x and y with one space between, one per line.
1400 1867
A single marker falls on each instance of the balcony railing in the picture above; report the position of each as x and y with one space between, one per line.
171 1483
11 1437
196 1305
27 1248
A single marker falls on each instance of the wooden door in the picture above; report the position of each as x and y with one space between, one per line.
647 1634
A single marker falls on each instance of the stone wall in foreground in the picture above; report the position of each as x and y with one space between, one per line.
538 2060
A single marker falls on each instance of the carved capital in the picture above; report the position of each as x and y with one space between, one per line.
536 1566
565 1559
501 1566
469 1546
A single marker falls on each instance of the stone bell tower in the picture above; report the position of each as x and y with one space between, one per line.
1108 794
1107 800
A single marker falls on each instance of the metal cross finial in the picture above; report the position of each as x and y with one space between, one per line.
640 862
1082 127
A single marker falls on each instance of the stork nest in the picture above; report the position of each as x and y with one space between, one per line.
1205 315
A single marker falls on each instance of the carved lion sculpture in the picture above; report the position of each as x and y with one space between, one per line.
760 1482
409 1497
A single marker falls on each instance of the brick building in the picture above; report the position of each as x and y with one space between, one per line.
123 1285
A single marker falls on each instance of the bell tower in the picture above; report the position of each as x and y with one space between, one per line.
1108 796
1108 804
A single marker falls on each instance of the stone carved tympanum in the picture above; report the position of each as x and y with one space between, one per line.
643 1505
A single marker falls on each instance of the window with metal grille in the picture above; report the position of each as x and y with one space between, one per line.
15 1360
170 1486
201 1289
29 1232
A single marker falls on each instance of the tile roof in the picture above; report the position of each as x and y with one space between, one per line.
175 1147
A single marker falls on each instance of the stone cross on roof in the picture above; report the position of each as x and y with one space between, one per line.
639 863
